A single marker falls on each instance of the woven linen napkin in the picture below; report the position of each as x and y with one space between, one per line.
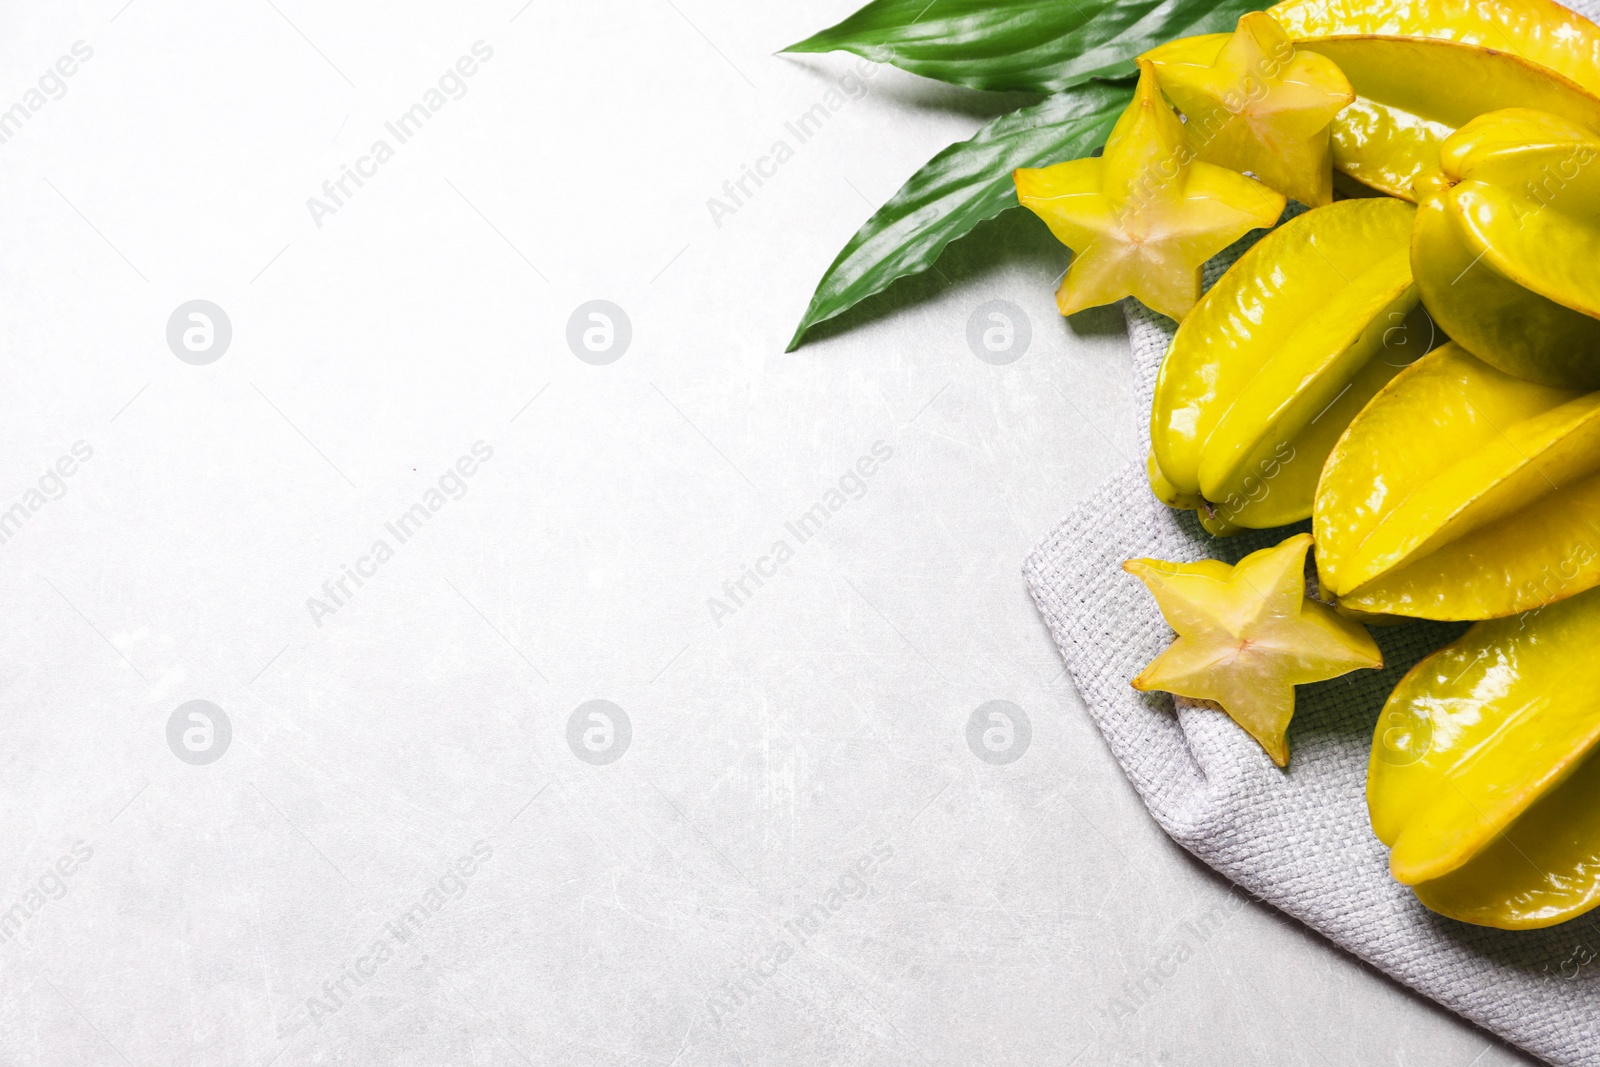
1299 838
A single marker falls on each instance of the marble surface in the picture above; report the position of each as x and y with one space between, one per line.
404 520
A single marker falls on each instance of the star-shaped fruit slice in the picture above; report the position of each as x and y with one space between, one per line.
1143 217
1259 105
1247 635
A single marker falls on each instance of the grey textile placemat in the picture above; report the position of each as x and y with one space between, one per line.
1298 839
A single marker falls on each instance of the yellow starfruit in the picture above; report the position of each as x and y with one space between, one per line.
1277 357
1247 635
1482 779
1143 217
1461 492
1411 94
1260 106
1506 245
1415 92
1391 136
1541 31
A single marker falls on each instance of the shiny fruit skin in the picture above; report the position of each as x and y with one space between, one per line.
1278 356
1482 778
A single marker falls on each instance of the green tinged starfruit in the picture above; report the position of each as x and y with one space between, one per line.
1275 360
1508 241
1461 492
1482 779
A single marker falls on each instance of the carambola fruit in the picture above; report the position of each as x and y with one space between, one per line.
1259 105
1540 31
1411 94
1461 492
1507 245
1482 778
1422 68
1277 357
1144 217
1247 635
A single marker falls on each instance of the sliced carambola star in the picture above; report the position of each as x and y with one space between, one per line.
1143 218
1247 635
1260 106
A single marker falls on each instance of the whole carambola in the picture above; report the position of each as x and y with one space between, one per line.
1507 242
1462 492
1276 359
1483 779
1540 31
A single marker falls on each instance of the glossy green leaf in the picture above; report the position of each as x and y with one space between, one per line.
960 187
1040 46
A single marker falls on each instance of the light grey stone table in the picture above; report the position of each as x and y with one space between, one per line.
375 513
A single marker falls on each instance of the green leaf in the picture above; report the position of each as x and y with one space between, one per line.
1040 46
959 188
